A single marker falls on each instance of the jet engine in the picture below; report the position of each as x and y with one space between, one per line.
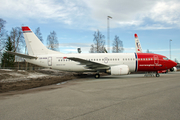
119 70
174 69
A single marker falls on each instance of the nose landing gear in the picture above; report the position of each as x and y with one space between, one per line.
157 74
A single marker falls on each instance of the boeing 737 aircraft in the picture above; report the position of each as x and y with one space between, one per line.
113 63
139 50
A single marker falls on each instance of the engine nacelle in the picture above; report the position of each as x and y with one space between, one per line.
119 70
174 69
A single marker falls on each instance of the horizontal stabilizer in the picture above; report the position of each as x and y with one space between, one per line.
22 55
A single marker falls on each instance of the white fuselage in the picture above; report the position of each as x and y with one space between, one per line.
59 61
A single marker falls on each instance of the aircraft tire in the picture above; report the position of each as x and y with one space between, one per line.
157 75
97 76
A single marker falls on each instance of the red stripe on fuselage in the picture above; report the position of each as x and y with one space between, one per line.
153 62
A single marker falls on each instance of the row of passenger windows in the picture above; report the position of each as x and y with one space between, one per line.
145 59
112 59
115 59
125 59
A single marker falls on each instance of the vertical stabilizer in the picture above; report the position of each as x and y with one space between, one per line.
137 44
34 45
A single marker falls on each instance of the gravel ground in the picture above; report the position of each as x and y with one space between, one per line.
11 80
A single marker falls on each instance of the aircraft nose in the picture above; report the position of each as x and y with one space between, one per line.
173 63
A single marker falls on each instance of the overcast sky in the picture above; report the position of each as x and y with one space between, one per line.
75 21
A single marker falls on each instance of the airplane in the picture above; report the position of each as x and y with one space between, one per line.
112 63
139 50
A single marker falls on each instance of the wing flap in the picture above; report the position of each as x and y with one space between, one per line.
89 64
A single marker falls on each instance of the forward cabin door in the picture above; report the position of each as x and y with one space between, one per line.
156 61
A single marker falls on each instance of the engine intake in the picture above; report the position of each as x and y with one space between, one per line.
174 69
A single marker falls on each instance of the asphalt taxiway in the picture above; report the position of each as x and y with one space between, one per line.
127 97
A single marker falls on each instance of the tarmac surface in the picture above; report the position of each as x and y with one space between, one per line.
127 97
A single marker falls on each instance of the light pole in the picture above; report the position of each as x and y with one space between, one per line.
108 41
170 48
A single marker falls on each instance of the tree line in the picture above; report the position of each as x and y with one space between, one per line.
99 44
14 41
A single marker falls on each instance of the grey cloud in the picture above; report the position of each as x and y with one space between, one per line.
92 14
135 12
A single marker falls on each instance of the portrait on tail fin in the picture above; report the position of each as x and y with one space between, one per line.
137 44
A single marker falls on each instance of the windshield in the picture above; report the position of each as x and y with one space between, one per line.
165 58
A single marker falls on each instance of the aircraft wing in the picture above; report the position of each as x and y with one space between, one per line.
22 55
89 64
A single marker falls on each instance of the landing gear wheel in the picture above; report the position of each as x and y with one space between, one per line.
97 76
157 75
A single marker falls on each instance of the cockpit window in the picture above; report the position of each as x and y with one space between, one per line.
165 58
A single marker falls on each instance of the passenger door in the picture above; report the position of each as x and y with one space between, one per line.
156 60
49 61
